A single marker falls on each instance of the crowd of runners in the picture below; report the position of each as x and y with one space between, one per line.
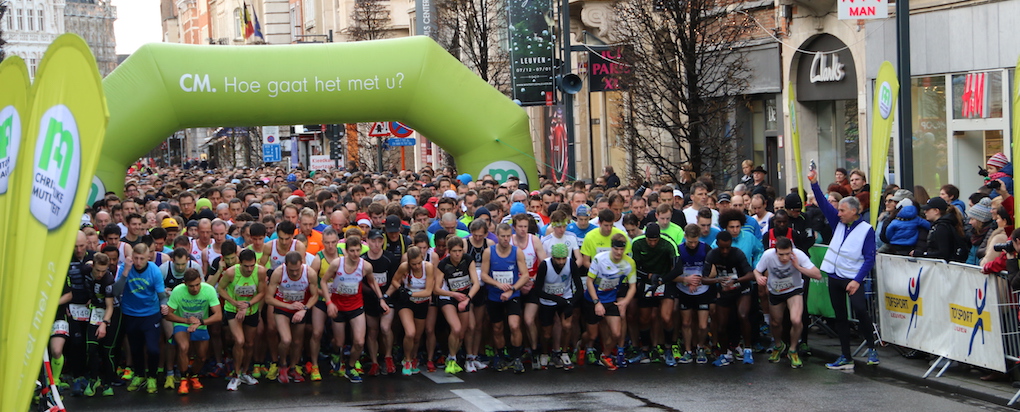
260 275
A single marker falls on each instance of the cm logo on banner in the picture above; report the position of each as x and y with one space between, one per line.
501 170
57 167
10 140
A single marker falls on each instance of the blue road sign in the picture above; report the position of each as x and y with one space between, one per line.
407 141
272 153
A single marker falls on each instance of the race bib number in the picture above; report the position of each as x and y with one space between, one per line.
293 295
244 291
607 284
189 315
97 316
380 278
602 249
660 291
460 283
79 312
782 285
503 276
348 288
554 288
60 327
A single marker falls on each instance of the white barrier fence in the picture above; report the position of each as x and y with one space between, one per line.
950 310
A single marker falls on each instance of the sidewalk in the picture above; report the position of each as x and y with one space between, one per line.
959 378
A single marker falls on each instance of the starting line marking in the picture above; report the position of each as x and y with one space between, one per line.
442 377
482 400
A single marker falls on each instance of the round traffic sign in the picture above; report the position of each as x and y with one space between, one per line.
399 130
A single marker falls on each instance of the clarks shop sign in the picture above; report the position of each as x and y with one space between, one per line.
825 70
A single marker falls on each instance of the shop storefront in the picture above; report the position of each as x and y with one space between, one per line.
827 93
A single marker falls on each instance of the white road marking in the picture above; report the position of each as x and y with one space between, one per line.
482 400
442 377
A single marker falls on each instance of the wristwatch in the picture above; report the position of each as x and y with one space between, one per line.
106 322
596 301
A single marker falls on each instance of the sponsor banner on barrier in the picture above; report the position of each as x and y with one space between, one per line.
945 309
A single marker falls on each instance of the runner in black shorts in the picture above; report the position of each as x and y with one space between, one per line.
557 284
781 269
458 279
475 246
695 293
415 281
384 265
654 256
735 275
505 273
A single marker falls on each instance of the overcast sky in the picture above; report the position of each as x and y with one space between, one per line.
138 22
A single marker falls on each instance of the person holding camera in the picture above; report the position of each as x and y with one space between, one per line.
1007 260
1003 216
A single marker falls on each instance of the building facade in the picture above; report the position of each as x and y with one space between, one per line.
29 28
93 21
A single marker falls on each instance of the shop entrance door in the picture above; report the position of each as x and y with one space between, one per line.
972 150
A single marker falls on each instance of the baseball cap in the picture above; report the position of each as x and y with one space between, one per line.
518 208
724 197
559 250
408 200
169 223
677 193
375 234
935 203
582 211
450 194
392 224
308 181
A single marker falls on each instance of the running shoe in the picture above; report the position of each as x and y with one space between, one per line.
136 383
273 372
593 357
90 387
430 366
78 386
127 375
107 390
390 367
353 375
316 376
765 329
646 357
234 383
841 363
518 366
258 370
282 375
414 367
675 350
702 357
406 370
543 362
795 361
608 362
248 379
556 360
183 388
469 366
170 382
685 359
565 360
804 349
638 357
150 385
721 360
194 383
296 377
297 370
480 365
872 357
504 364
671 361
777 352
621 358
452 367
658 354
748 357
580 357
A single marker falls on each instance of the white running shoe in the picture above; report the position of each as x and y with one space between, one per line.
479 365
234 383
565 360
469 366
248 379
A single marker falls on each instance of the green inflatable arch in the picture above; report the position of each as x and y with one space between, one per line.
163 88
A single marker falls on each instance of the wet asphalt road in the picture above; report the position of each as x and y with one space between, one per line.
651 387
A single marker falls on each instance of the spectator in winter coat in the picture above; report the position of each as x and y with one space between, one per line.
946 228
982 226
1000 169
900 235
